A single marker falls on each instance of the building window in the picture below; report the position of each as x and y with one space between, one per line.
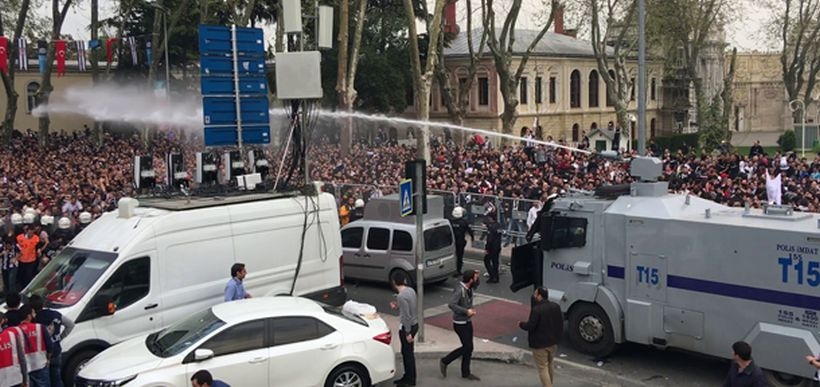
522 91
410 97
593 88
609 101
552 89
575 132
483 91
31 92
652 92
462 86
538 91
652 125
632 89
575 89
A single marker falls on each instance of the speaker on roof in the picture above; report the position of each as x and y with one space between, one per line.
206 170
144 176
259 164
233 165
177 176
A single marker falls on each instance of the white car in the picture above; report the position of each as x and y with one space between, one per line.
265 341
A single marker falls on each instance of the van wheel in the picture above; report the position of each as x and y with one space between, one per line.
778 379
348 375
590 330
410 281
72 367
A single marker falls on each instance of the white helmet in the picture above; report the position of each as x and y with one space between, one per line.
28 218
63 223
16 218
85 217
458 212
31 211
46 220
359 203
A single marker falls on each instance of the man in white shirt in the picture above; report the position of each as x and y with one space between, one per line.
532 214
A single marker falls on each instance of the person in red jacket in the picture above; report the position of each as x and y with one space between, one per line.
37 348
13 370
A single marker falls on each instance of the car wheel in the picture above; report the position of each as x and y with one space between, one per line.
348 375
778 379
590 330
73 365
410 282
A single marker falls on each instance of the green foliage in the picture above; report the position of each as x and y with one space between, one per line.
36 27
677 142
787 141
713 128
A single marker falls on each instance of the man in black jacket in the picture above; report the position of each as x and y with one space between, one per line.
493 248
545 328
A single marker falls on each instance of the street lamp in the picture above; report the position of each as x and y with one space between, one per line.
165 43
802 107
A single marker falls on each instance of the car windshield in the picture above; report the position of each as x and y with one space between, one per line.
69 275
180 336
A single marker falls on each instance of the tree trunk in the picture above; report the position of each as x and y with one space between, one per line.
341 75
95 67
44 93
423 114
8 80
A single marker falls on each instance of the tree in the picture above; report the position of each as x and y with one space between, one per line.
8 79
685 28
619 16
457 104
423 76
799 30
348 63
58 16
503 49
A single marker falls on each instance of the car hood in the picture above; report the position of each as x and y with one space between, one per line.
122 360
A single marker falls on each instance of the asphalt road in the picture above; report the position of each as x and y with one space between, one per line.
645 364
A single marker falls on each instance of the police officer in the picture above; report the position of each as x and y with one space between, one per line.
37 347
493 248
13 371
460 229
358 210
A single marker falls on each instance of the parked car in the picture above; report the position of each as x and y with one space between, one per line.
265 341
384 242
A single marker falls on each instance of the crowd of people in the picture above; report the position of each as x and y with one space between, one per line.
54 191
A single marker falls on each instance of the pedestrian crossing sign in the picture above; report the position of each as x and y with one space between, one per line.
406 197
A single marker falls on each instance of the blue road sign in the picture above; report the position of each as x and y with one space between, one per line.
222 110
406 197
219 90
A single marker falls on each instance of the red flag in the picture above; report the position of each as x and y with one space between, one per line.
4 60
108 44
59 46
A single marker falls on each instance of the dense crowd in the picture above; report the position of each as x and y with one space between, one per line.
59 188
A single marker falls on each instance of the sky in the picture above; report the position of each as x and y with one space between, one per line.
744 33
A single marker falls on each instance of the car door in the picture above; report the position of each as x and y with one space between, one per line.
304 350
352 238
241 355
376 256
133 289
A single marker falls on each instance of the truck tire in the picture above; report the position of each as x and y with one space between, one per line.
72 366
778 379
590 330
410 282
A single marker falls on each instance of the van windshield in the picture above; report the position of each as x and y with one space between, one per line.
69 275
438 238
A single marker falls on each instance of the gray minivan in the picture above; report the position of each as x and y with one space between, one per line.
383 242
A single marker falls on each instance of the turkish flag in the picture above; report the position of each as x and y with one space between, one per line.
59 46
108 44
4 60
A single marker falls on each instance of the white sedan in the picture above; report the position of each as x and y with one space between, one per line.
266 341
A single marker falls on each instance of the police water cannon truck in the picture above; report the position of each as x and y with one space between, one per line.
675 270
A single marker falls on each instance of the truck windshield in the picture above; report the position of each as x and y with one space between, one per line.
69 275
185 333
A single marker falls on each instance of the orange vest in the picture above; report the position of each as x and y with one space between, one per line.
28 248
35 345
11 374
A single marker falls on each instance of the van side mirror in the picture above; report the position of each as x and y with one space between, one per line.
104 305
203 354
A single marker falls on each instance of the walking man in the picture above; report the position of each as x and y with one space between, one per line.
406 304
235 289
544 329
461 303
744 372
493 248
460 229
58 327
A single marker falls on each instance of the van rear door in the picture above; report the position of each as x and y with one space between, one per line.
439 251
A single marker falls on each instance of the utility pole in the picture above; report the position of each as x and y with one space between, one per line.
641 77
418 205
